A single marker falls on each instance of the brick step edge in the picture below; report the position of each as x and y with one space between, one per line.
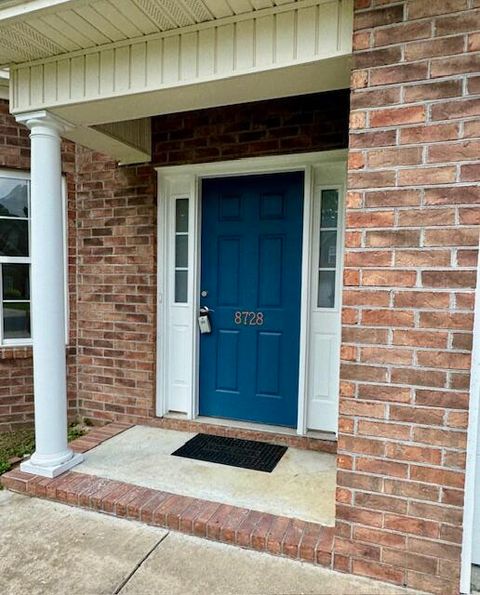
278 535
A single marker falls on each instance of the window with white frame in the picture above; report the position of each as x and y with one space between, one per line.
15 258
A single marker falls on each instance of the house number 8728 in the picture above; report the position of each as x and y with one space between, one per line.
248 318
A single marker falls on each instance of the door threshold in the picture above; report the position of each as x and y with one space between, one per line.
313 440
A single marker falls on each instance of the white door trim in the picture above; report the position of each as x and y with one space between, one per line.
184 181
472 479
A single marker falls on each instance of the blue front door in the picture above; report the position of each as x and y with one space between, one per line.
251 282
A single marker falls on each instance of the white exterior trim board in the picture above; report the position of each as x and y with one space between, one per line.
472 475
305 32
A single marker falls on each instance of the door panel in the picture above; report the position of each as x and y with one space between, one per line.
251 272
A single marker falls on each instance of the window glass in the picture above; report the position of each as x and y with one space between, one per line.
181 250
16 320
328 249
13 237
16 281
326 289
181 287
181 215
327 258
13 197
329 213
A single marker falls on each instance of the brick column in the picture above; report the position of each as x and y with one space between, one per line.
412 233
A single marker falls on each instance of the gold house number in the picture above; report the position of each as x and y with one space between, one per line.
249 318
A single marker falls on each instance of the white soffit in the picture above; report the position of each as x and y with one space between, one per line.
290 36
37 29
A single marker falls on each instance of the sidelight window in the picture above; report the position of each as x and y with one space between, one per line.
181 250
327 265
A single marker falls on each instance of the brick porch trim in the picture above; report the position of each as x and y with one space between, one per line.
251 529
283 536
291 440
98 435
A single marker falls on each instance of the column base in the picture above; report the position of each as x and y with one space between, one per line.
53 471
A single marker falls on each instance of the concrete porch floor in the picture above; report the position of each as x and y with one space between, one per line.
302 485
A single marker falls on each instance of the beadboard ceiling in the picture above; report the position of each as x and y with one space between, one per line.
37 29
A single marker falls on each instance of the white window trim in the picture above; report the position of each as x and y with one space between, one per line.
23 175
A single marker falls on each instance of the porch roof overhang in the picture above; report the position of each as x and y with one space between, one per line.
106 66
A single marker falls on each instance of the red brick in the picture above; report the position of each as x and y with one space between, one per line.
410 561
416 338
388 278
412 526
402 73
428 134
452 110
417 454
379 537
402 32
452 195
381 467
434 47
397 116
377 17
441 477
395 238
370 219
392 198
409 489
462 151
427 175
394 156
418 9
378 571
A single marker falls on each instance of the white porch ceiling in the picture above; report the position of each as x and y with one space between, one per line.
36 29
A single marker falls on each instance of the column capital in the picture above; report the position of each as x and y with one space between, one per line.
44 120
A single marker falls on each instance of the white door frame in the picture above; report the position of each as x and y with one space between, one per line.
472 478
184 181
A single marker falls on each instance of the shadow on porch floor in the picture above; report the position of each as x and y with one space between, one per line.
301 486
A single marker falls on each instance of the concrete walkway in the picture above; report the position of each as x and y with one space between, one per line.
52 549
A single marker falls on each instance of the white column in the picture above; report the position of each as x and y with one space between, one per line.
52 455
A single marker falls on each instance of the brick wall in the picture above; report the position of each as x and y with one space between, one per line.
411 249
315 122
16 367
116 285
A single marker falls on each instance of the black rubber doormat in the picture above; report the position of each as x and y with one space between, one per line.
247 454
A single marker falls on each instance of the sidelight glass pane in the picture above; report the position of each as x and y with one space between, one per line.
16 320
16 281
13 197
326 289
181 252
13 237
181 215
329 215
328 249
181 287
